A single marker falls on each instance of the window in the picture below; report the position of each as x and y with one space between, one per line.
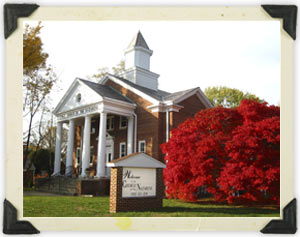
123 122
122 149
78 97
93 126
142 146
110 123
78 154
91 154
108 157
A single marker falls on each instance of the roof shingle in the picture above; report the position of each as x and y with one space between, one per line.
179 94
138 40
156 94
106 91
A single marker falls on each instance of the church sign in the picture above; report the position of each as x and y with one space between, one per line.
78 112
139 182
136 183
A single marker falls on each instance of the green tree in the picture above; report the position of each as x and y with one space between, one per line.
42 158
117 70
38 79
227 97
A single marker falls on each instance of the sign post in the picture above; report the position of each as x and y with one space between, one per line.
136 183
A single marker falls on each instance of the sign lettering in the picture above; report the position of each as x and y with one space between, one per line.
80 112
139 182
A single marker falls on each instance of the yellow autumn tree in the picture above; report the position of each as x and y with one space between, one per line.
38 79
34 57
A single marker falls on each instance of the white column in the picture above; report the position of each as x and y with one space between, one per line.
101 163
86 145
130 135
58 149
69 163
167 125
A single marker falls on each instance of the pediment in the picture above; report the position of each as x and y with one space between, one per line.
77 96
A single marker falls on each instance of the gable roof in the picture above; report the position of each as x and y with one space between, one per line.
106 91
138 41
156 94
179 94
98 89
162 96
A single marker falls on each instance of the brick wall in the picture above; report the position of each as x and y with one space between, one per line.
117 203
148 125
77 143
192 105
161 134
151 127
119 135
97 187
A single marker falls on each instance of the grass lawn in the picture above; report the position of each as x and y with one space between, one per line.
67 206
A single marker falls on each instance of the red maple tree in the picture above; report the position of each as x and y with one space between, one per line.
232 153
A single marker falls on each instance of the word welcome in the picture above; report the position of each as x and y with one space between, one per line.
138 182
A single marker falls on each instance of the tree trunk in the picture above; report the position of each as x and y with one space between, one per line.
25 156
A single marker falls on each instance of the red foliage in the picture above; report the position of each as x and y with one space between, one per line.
233 153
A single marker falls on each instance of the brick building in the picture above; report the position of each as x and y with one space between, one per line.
120 115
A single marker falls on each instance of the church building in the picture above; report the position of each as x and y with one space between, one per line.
120 115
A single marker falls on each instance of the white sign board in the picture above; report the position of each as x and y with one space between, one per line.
138 182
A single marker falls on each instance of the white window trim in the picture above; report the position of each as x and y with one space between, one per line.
140 142
120 147
110 120
120 124
91 147
107 158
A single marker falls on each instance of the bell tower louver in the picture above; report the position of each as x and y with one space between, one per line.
137 63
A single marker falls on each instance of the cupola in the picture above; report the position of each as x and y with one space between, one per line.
137 63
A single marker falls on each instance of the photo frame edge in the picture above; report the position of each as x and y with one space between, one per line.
287 225
289 15
10 24
11 225
11 14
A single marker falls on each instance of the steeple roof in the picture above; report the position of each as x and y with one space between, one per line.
139 41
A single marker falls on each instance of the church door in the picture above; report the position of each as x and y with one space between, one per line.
109 154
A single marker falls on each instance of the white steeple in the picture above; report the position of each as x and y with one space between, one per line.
137 63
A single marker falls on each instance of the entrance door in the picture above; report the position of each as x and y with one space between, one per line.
109 157
109 152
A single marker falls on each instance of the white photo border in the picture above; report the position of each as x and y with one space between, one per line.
14 142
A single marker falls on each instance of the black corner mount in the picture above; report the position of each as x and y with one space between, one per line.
11 14
288 225
289 15
10 223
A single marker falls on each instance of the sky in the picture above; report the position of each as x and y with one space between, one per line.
186 54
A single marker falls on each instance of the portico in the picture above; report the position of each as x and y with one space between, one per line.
85 112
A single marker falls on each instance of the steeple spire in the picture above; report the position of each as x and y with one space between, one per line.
138 53
138 41
137 63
